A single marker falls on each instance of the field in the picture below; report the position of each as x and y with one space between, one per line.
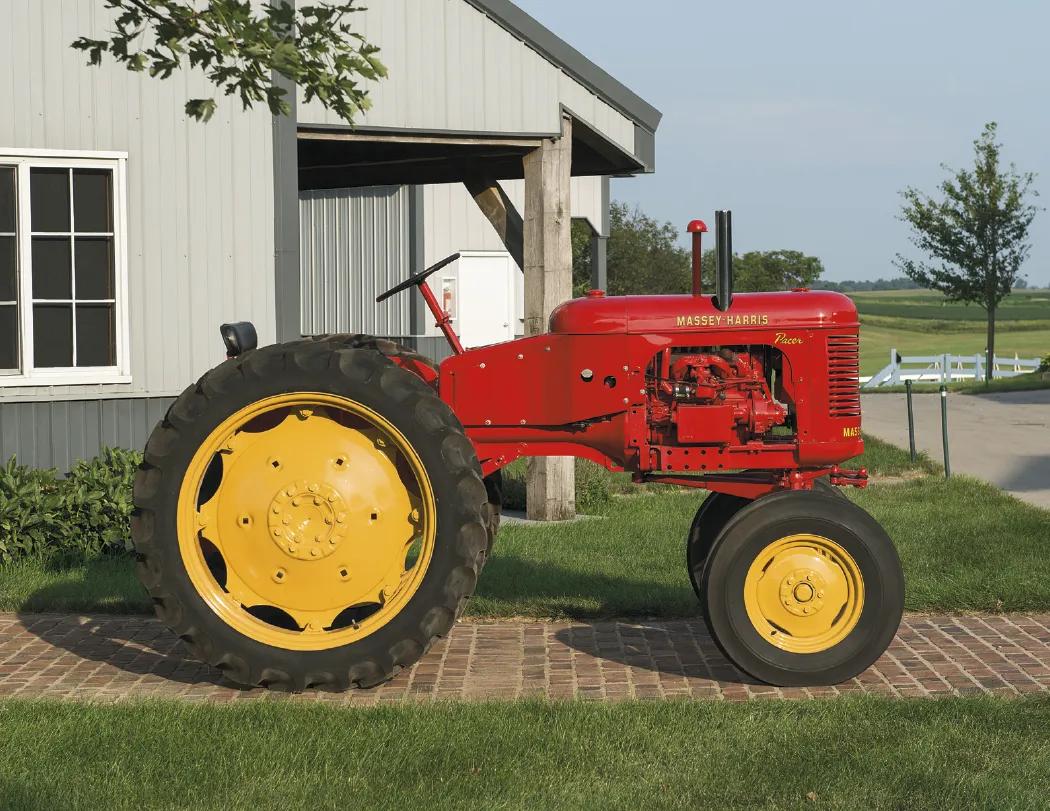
918 322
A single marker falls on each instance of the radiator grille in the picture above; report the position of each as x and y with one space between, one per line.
844 375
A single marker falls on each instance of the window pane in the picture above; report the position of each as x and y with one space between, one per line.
52 268
49 199
7 199
92 207
94 267
96 336
8 337
8 269
52 335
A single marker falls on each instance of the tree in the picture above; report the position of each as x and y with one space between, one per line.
241 50
644 255
976 234
755 271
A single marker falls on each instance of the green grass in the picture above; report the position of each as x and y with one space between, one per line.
919 322
1031 305
876 341
841 754
965 545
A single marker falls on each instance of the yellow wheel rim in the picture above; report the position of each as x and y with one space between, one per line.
306 521
804 593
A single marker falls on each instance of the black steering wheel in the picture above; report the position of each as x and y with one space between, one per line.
418 278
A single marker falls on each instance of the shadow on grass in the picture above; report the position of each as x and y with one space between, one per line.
517 586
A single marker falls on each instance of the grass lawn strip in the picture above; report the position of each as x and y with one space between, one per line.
841 754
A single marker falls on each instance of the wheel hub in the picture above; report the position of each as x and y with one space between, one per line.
307 479
802 592
307 520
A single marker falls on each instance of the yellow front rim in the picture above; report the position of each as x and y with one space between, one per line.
306 521
804 593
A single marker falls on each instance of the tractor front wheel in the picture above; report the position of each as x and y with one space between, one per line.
714 513
802 589
310 515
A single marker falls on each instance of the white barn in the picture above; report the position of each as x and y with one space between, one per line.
128 232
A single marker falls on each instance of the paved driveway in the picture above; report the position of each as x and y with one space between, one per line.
1001 438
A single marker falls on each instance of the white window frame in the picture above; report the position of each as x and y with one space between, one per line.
24 160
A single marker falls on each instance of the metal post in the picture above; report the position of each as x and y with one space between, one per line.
944 430
911 421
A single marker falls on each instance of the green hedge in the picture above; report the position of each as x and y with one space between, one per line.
83 515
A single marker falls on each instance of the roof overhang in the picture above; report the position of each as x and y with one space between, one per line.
332 157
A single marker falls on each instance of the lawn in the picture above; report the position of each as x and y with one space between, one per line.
839 754
918 322
965 545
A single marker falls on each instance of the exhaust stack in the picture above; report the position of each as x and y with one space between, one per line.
724 260
697 228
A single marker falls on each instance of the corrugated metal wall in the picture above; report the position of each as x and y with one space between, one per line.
200 196
452 68
355 244
57 434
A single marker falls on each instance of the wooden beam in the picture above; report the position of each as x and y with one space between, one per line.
551 482
500 211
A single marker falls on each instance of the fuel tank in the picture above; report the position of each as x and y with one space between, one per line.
802 309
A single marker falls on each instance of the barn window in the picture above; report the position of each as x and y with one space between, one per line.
62 270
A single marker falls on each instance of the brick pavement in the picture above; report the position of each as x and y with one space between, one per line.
105 658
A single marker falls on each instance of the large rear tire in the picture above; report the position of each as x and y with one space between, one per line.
310 515
803 589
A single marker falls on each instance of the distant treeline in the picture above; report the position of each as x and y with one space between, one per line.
902 283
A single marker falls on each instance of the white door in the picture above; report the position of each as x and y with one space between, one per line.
485 310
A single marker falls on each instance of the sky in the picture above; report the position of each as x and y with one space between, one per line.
807 119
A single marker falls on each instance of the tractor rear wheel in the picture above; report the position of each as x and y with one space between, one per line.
709 521
802 589
406 357
310 515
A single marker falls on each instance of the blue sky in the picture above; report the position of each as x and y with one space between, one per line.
808 118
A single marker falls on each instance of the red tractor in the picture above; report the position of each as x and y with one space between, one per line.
317 513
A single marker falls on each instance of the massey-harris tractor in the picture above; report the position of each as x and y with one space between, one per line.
317 513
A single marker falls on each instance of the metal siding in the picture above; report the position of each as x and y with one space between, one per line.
453 68
356 243
199 197
58 434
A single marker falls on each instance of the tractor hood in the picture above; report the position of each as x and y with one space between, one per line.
802 309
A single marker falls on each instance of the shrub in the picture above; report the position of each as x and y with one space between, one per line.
98 495
66 520
32 511
1045 365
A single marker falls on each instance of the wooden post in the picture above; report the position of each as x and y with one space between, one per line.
551 482
500 211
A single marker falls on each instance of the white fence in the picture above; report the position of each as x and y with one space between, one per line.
946 368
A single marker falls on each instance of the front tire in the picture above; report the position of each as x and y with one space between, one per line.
714 513
803 589
309 515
